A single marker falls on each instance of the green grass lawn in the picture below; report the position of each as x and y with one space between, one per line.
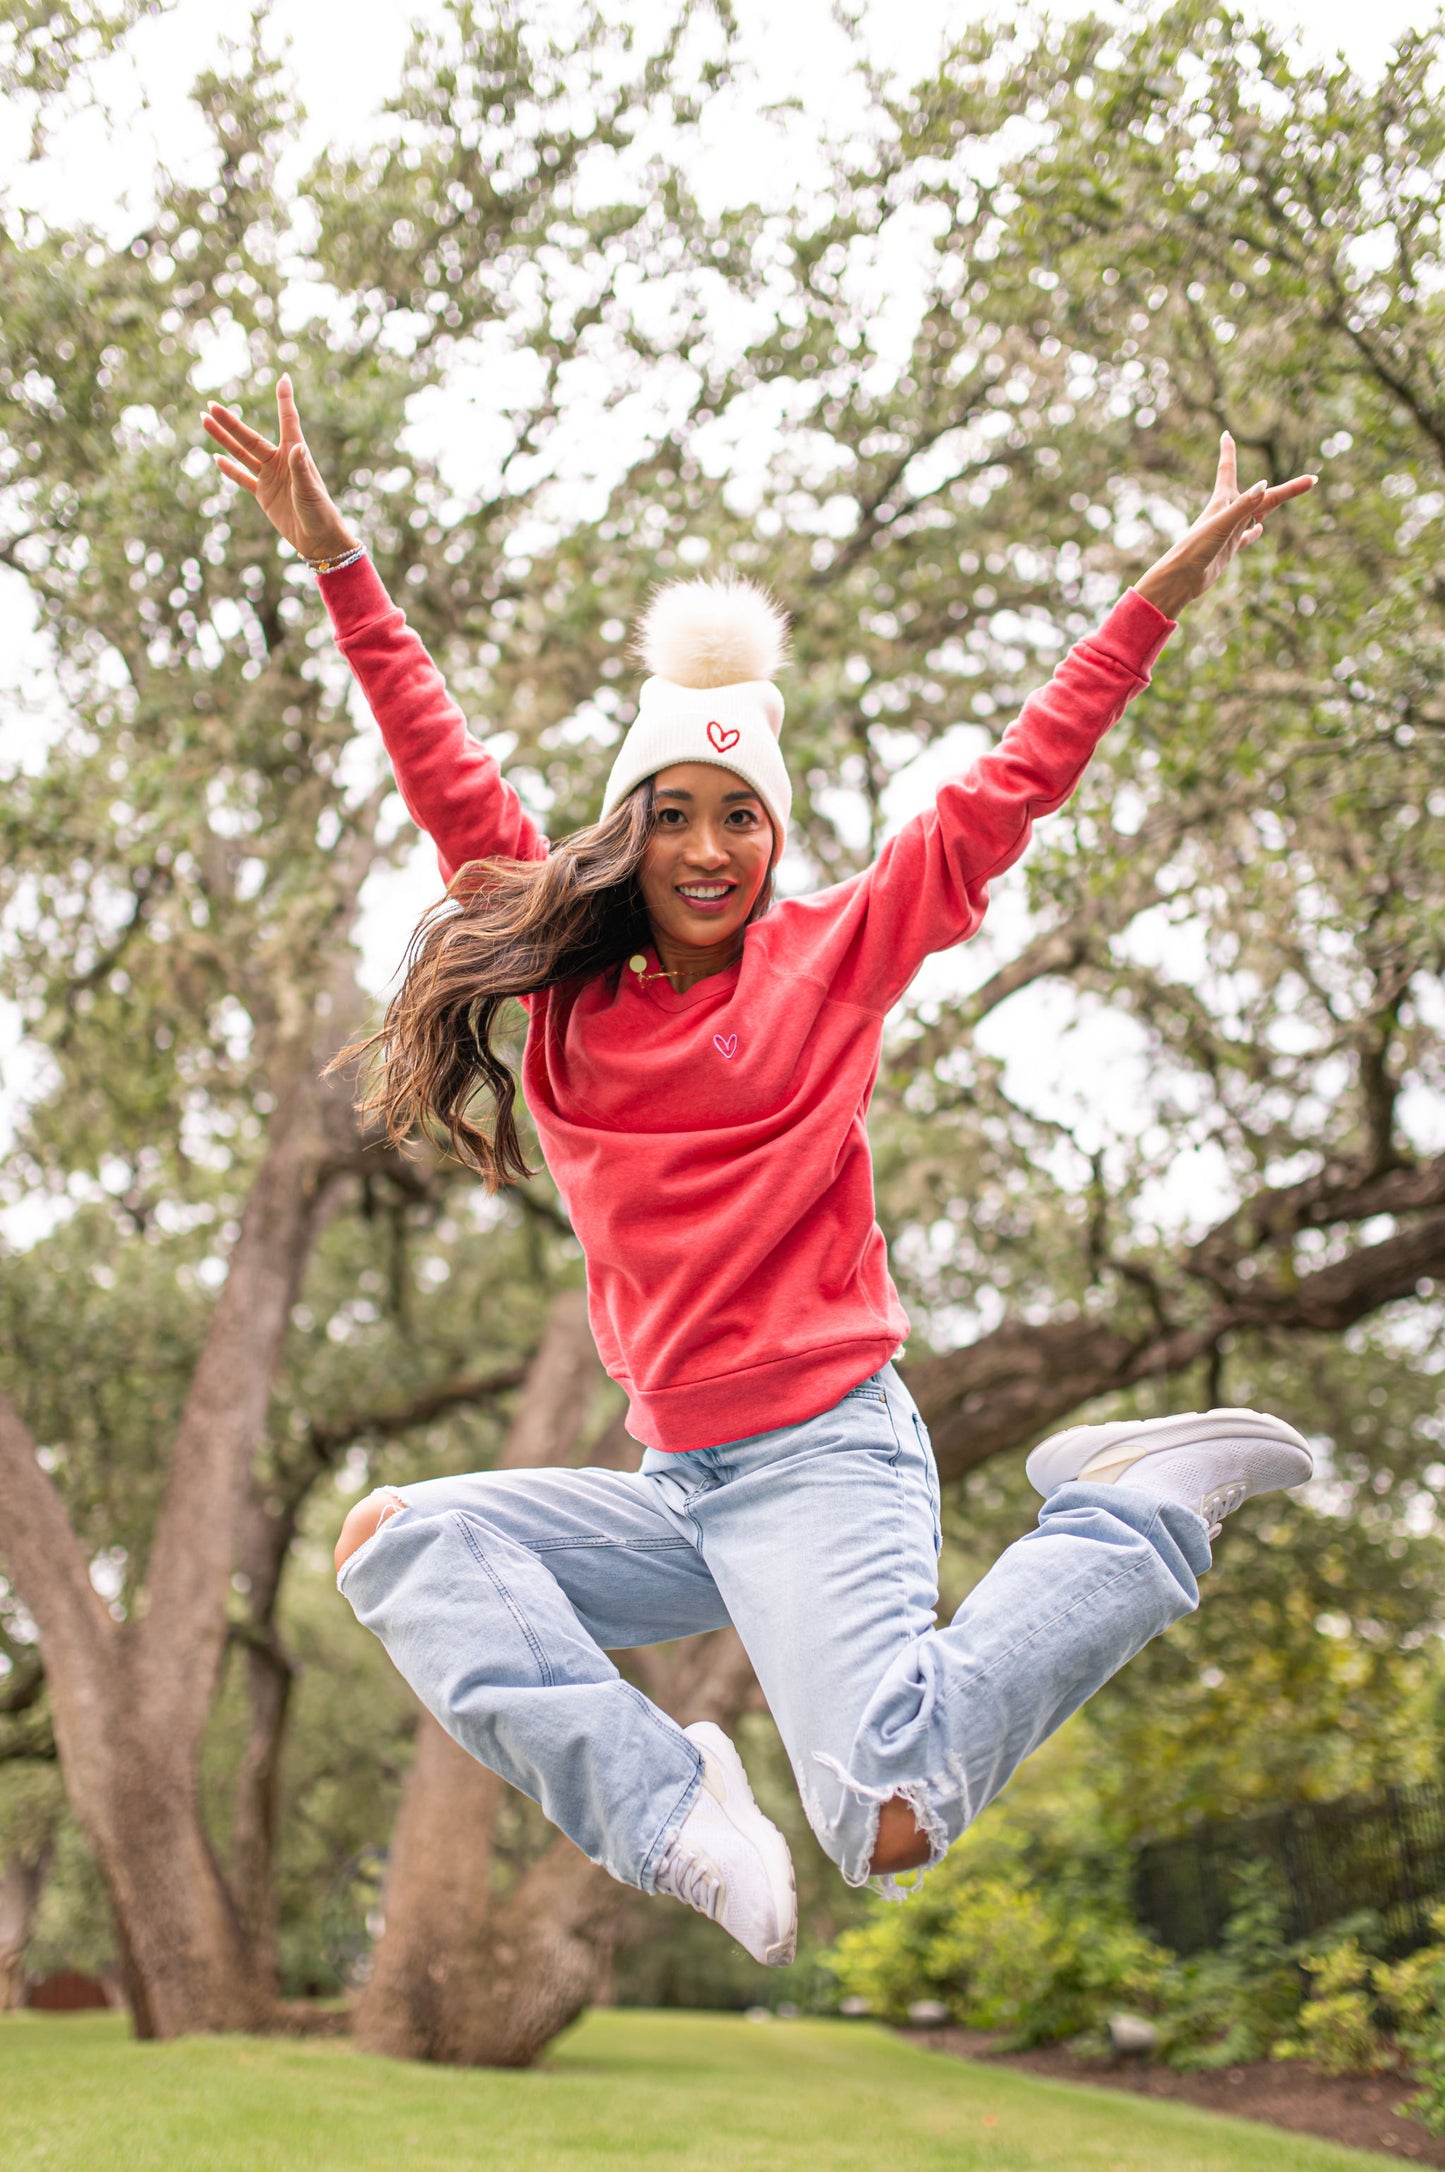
684 2092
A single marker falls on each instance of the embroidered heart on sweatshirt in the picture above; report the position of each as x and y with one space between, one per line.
722 738
727 1043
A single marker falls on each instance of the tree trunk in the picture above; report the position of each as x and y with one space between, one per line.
534 1966
22 1881
419 2000
186 1962
256 1818
130 1700
267 1533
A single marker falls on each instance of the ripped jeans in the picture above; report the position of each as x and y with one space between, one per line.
499 1595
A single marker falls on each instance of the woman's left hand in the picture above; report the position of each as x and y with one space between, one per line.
1231 521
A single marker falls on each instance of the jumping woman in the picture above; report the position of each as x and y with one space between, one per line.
699 1061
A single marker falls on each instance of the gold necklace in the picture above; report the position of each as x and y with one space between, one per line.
638 965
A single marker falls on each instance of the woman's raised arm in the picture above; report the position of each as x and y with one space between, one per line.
452 787
928 889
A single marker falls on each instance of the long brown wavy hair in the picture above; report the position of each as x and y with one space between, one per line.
505 928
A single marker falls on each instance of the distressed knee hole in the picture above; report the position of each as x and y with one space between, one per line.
364 1521
852 1837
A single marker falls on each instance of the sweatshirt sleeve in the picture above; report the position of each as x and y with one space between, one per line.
928 888
452 787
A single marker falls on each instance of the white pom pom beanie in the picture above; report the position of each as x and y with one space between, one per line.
712 648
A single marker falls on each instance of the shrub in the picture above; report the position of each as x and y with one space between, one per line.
1001 1950
1339 2024
1414 1991
1221 2008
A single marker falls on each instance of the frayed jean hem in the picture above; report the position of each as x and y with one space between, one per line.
854 1854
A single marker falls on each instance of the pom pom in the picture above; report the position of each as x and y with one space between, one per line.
712 633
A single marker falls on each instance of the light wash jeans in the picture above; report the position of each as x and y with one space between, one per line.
498 1596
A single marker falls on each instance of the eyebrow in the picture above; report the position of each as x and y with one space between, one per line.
673 791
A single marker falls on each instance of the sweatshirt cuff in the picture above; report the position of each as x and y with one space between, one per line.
1134 633
355 598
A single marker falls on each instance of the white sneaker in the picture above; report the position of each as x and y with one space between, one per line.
1210 1460
728 1861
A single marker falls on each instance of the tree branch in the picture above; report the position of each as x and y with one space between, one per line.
326 1442
1010 1386
44 1559
23 1686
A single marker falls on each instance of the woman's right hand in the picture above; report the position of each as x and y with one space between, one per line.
282 478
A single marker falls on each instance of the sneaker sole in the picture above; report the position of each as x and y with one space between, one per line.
773 1847
1112 1449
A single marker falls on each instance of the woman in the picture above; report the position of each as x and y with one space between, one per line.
698 1063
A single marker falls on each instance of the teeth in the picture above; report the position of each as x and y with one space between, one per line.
698 891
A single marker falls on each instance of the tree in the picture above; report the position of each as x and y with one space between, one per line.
184 873
1127 239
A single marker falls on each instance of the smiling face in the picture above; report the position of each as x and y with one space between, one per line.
707 858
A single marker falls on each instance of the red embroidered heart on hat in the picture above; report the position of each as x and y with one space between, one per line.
722 739
727 1044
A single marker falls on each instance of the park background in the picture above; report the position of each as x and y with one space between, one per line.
932 323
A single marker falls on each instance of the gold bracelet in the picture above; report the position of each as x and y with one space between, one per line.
335 564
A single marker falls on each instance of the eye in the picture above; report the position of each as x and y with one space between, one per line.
669 817
744 817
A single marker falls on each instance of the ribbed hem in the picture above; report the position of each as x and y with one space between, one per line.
756 1398
355 598
1135 632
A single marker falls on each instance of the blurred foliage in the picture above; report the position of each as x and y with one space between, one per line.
48 49
1338 2028
1218 2008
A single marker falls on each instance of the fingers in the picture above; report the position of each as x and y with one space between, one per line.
226 426
1226 479
286 412
223 436
236 474
1283 492
1228 521
305 476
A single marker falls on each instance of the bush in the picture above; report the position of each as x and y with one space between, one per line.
1414 1990
1339 2023
1225 2007
1039 1959
1026 1929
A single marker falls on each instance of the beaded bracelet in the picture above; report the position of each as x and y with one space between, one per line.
343 558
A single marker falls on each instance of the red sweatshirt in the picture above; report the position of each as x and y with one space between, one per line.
710 1146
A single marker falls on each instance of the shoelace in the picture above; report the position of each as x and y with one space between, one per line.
1216 1506
691 1878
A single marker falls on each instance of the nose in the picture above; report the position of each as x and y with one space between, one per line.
707 846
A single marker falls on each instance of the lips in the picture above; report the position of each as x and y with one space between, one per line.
706 897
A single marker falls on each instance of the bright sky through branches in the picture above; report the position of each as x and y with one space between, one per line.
345 57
